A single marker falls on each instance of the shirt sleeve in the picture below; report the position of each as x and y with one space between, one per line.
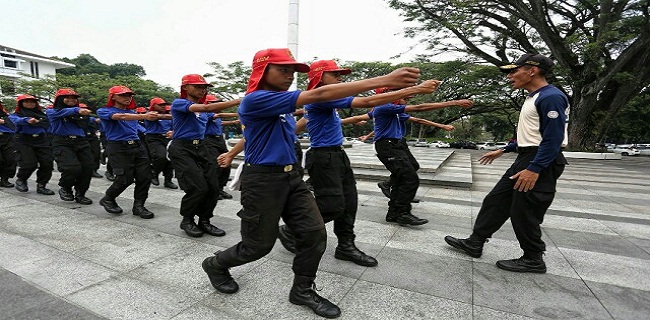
105 113
181 105
552 121
390 109
18 120
62 113
269 103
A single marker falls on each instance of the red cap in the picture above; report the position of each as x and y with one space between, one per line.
119 90
141 110
156 101
317 68
211 98
23 97
83 105
168 108
192 79
271 56
65 92
382 90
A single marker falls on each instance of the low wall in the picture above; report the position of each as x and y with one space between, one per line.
592 155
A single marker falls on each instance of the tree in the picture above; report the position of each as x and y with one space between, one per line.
601 47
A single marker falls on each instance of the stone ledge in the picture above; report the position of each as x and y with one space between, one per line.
593 155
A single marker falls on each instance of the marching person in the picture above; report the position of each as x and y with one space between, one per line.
158 135
197 177
7 149
216 144
126 152
71 148
527 188
91 128
327 163
33 149
271 182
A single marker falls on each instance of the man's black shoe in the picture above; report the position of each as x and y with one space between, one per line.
349 252
210 229
141 211
286 239
191 229
409 219
303 294
523 264
219 276
385 188
21 185
4 182
66 194
473 248
109 176
110 205
224 195
169 184
415 200
96 174
41 189
80 198
155 181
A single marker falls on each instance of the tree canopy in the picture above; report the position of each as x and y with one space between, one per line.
600 46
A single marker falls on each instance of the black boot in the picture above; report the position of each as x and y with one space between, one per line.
80 198
169 184
189 226
109 176
154 180
140 210
471 246
286 238
96 174
4 182
207 227
346 250
21 185
408 219
219 276
303 294
66 194
41 189
110 205
385 188
224 195
529 262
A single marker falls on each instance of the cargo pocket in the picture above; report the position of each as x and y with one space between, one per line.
250 224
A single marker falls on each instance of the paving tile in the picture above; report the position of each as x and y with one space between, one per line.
622 302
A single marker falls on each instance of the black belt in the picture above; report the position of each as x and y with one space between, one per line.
68 137
258 168
195 142
34 135
213 136
527 149
126 142
328 149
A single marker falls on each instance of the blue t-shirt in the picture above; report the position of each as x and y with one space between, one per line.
269 127
213 127
23 127
118 130
157 126
5 129
61 126
324 123
187 124
390 121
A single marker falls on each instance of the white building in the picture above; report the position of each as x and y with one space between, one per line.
16 64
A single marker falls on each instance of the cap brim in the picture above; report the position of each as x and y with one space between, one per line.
341 71
209 85
300 67
509 67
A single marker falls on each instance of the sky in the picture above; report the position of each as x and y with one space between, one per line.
171 38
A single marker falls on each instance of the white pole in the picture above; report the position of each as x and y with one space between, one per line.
292 35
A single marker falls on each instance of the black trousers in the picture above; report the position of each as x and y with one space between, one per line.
215 146
525 209
34 154
334 188
157 144
74 160
7 156
197 176
268 194
95 149
104 143
397 158
130 162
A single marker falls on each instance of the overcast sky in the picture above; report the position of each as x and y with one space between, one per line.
170 38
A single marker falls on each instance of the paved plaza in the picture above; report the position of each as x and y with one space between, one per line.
60 260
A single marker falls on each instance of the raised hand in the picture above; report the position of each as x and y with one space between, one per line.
402 77
429 86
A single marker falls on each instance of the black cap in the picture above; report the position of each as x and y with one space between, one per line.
531 59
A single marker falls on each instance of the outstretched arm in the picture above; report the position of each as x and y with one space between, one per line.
225 159
366 137
214 107
438 105
446 127
379 99
355 119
